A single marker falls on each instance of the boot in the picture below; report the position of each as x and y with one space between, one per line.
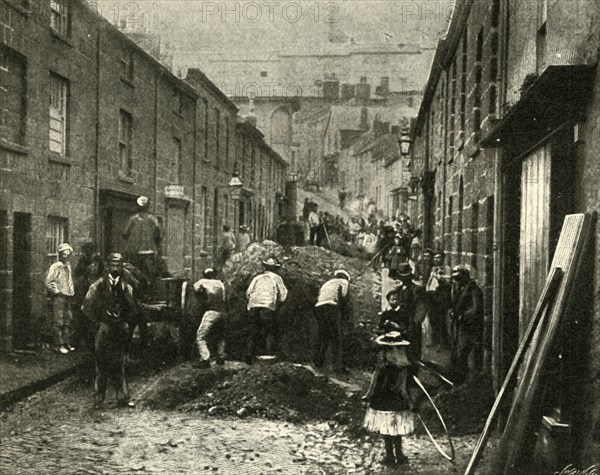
401 459
389 451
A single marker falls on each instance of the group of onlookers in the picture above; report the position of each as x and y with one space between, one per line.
453 298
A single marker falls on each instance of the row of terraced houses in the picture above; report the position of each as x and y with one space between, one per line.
90 121
507 143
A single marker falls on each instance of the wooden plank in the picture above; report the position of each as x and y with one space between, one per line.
545 301
527 397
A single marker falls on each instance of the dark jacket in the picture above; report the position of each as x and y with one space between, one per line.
104 304
405 324
387 394
467 307
413 308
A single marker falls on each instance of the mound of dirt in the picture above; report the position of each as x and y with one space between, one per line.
465 408
303 272
283 391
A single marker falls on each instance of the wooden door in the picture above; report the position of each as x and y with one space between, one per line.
535 231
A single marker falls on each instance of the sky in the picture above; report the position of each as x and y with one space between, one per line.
243 25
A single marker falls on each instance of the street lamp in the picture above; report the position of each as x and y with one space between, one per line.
235 183
405 142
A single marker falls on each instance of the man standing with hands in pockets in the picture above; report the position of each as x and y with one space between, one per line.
59 284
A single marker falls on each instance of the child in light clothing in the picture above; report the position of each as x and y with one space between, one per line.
390 407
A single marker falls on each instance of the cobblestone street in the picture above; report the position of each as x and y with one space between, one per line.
58 431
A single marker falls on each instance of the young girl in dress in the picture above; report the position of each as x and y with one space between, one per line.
390 407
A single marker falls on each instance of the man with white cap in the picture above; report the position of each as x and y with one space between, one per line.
142 232
264 294
212 293
59 284
332 307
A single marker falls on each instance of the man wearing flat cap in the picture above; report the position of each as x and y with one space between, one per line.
109 304
264 294
142 233
466 315
59 284
331 310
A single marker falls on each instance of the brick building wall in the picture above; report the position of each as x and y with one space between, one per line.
119 125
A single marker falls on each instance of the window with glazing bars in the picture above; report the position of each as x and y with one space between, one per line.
58 114
59 16
12 96
176 162
56 234
125 134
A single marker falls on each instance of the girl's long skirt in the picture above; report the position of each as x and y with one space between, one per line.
389 422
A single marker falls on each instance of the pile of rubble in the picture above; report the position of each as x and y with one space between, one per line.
280 392
304 270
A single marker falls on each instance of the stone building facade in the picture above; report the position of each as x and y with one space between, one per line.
508 140
292 72
89 122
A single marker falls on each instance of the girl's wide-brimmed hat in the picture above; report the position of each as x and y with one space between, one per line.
391 339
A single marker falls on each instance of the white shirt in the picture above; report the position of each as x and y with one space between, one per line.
214 288
265 291
313 219
331 292
59 280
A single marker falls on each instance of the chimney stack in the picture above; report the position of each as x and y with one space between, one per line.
364 118
363 92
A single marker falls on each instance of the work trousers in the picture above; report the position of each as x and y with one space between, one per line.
314 235
465 343
329 321
110 345
62 319
262 326
211 330
438 310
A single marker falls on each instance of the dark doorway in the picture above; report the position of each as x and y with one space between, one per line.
21 309
117 208
242 213
511 219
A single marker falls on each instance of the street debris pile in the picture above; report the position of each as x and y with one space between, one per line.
303 272
282 391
